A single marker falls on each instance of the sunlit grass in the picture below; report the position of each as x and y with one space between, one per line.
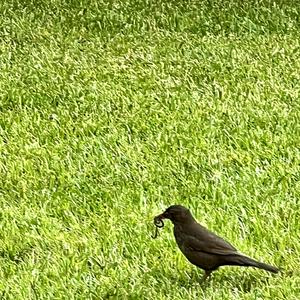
111 112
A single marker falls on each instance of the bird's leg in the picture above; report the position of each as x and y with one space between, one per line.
205 276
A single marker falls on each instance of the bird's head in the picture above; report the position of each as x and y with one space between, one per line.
178 214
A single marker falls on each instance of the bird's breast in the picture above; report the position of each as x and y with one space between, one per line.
179 236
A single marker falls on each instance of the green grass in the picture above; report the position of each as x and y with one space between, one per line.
110 112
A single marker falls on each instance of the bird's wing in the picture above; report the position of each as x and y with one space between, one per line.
211 243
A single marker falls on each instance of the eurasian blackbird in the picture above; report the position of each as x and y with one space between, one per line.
202 247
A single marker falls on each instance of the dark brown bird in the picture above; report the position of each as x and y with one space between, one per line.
202 247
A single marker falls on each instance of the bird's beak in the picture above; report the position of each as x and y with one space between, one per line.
162 216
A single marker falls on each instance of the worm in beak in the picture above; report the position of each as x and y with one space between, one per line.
159 223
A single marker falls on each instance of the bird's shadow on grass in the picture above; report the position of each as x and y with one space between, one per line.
244 282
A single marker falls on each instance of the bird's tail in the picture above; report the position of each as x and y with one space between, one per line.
246 261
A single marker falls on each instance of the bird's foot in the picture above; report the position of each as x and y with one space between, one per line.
205 276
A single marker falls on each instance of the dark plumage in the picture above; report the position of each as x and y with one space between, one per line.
202 247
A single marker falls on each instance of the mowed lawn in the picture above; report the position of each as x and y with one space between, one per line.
110 111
